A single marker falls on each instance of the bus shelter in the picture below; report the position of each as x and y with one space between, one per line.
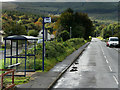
20 53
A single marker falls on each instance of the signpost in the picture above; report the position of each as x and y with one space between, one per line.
45 20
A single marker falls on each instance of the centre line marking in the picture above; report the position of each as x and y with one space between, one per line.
110 68
105 57
116 80
107 61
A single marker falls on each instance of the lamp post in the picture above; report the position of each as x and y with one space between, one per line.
70 32
112 31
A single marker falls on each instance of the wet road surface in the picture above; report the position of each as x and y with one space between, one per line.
97 67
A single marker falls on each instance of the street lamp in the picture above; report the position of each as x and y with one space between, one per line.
70 32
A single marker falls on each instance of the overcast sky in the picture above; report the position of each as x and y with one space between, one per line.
61 0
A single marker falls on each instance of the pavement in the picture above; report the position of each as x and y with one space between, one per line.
46 80
96 69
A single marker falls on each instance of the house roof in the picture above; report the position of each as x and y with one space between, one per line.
20 37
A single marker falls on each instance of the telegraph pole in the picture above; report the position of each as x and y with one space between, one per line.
70 32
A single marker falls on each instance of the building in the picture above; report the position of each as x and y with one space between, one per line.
1 36
47 36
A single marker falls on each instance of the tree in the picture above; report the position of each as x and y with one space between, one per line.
82 19
80 23
69 10
64 35
78 32
66 20
14 29
33 33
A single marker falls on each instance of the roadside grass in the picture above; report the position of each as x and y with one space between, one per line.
17 80
101 38
1 66
1 49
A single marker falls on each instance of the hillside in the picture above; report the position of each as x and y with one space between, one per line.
103 10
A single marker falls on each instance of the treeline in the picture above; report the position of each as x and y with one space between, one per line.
107 30
17 23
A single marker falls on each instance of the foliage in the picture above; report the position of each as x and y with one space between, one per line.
64 35
78 32
13 21
33 33
14 29
106 29
56 51
66 20
81 25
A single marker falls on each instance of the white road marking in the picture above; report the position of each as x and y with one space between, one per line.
110 68
117 49
115 79
107 61
105 57
104 54
88 46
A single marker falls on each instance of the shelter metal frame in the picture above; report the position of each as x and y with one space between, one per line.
17 38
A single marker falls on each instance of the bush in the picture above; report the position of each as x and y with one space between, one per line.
33 33
56 52
64 35
3 46
54 49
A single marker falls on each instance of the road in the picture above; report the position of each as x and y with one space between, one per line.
97 67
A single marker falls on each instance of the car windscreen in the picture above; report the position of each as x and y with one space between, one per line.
114 39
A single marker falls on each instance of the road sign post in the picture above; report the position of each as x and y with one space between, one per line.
45 20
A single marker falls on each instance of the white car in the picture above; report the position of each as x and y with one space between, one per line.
113 41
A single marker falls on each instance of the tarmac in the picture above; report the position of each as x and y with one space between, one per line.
46 80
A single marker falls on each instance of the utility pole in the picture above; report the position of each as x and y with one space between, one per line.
112 31
70 32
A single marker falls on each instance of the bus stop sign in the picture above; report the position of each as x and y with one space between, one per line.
47 19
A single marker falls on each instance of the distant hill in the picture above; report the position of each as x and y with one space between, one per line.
96 10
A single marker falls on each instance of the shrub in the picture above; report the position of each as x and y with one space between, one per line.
55 52
64 35
59 47
33 33
3 46
51 52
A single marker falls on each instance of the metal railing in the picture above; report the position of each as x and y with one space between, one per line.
6 72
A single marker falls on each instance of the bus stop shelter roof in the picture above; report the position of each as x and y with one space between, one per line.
20 37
